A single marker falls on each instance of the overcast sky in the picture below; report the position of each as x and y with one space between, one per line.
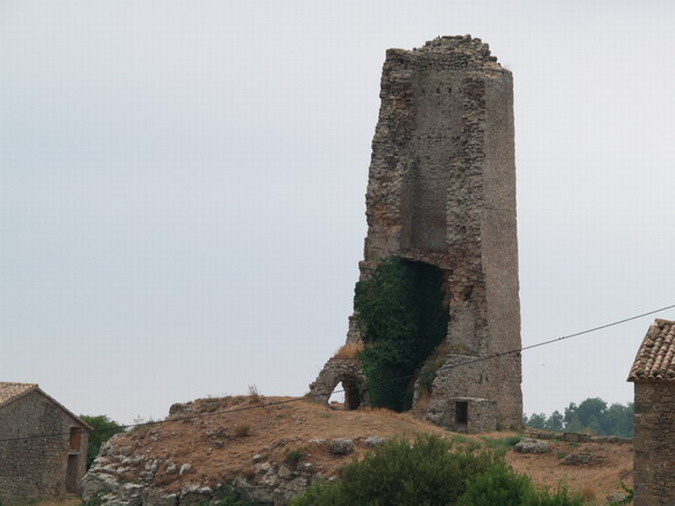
182 188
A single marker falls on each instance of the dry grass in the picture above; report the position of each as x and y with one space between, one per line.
218 451
381 411
243 430
422 405
254 394
349 350
588 494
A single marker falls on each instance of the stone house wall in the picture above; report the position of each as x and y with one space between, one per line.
654 461
40 466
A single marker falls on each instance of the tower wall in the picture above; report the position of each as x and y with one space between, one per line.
441 190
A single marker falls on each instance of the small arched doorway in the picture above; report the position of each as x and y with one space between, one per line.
347 394
337 397
352 395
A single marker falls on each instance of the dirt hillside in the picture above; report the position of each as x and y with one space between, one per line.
217 440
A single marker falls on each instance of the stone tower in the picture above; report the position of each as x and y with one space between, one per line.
442 191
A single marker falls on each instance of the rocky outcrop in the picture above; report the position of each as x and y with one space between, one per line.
527 445
121 477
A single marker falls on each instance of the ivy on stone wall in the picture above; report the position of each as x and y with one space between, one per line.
403 319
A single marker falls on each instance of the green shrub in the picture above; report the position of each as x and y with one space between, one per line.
427 473
424 473
498 485
226 495
561 496
630 494
104 429
329 493
294 457
403 319
97 499
500 445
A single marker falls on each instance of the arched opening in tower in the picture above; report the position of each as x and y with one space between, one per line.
337 398
403 311
352 395
347 393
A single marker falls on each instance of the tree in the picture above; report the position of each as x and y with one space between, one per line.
574 425
570 411
104 429
592 415
592 409
536 421
620 419
555 421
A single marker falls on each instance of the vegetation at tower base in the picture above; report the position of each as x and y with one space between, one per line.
403 319
429 473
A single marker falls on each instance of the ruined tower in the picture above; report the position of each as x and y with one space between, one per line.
442 191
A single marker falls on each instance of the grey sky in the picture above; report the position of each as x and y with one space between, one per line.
182 188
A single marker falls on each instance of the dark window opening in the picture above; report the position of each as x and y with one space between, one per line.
461 413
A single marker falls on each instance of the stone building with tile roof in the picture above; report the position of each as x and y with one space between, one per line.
43 446
653 374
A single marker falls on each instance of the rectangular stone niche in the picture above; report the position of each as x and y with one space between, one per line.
471 415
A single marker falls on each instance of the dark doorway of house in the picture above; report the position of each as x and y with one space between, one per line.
71 474
461 414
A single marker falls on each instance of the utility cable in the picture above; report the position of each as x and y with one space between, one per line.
309 396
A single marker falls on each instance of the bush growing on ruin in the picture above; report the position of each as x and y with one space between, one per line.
403 318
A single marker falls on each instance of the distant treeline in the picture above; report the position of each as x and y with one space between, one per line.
592 415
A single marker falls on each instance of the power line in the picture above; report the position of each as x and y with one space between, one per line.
308 396
557 339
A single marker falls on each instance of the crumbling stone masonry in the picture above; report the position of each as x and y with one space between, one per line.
441 190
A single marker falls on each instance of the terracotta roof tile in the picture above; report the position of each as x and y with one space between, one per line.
9 391
655 359
13 391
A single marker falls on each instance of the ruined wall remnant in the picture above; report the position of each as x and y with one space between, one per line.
441 190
